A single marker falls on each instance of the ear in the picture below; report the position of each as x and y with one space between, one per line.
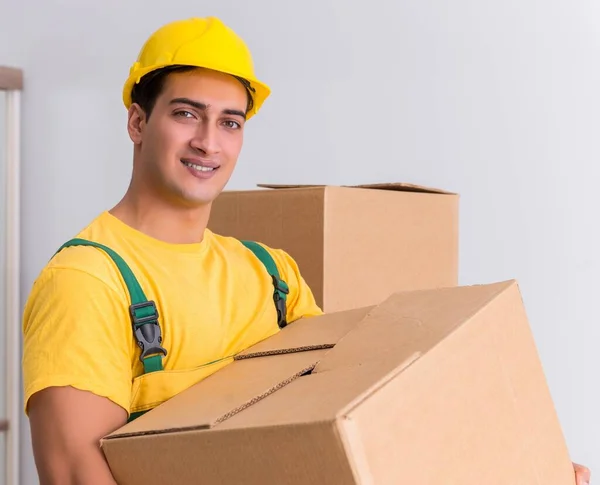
136 121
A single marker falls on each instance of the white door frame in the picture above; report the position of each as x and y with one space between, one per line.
11 83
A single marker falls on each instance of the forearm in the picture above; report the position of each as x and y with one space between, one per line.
87 467
66 428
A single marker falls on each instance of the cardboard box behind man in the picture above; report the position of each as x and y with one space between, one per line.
354 245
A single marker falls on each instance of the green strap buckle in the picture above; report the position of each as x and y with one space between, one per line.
144 319
279 297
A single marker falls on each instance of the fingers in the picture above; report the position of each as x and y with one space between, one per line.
582 474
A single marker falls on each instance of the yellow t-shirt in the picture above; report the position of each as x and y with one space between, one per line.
214 299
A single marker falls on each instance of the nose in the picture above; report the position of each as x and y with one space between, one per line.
206 138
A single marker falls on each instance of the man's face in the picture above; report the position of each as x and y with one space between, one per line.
190 144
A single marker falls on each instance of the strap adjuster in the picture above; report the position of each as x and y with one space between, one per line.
144 319
279 296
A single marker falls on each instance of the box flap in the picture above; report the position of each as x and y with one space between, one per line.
408 323
308 334
402 187
223 394
318 397
394 186
289 186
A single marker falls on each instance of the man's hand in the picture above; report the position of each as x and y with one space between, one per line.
66 427
582 474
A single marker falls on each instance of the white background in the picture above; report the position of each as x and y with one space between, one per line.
498 101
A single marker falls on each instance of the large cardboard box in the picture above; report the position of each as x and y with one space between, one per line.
353 244
429 387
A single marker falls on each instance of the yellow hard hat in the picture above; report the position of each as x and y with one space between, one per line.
201 42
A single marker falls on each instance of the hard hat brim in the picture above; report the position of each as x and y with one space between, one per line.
261 90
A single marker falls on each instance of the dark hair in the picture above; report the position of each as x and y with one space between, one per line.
151 85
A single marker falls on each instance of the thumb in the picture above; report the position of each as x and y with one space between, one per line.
582 473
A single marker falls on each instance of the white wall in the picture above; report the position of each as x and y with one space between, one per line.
496 100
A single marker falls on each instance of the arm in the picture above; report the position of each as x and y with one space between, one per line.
78 354
66 427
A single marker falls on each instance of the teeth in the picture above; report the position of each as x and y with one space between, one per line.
200 168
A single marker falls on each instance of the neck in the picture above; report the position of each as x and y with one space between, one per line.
163 221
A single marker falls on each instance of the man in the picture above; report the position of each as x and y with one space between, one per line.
92 360
82 370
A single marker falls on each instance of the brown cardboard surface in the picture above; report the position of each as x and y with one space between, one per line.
238 386
310 453
407 323
307 333
397 186
501 386
428 387
379 241
354 244
320 396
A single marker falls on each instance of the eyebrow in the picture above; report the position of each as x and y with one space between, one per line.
203 107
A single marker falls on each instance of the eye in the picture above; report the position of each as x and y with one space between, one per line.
184 114
232 124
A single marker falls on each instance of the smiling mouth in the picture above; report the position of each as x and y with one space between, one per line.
199 168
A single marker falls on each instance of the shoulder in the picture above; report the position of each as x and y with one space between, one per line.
84 257
72 277
75 270
82 262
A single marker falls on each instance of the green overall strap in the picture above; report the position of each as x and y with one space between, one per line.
281 287
143 313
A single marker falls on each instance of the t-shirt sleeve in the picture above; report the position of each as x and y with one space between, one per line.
301 301
76 332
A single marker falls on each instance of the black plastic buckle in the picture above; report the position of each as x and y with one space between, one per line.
147 330
280 301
